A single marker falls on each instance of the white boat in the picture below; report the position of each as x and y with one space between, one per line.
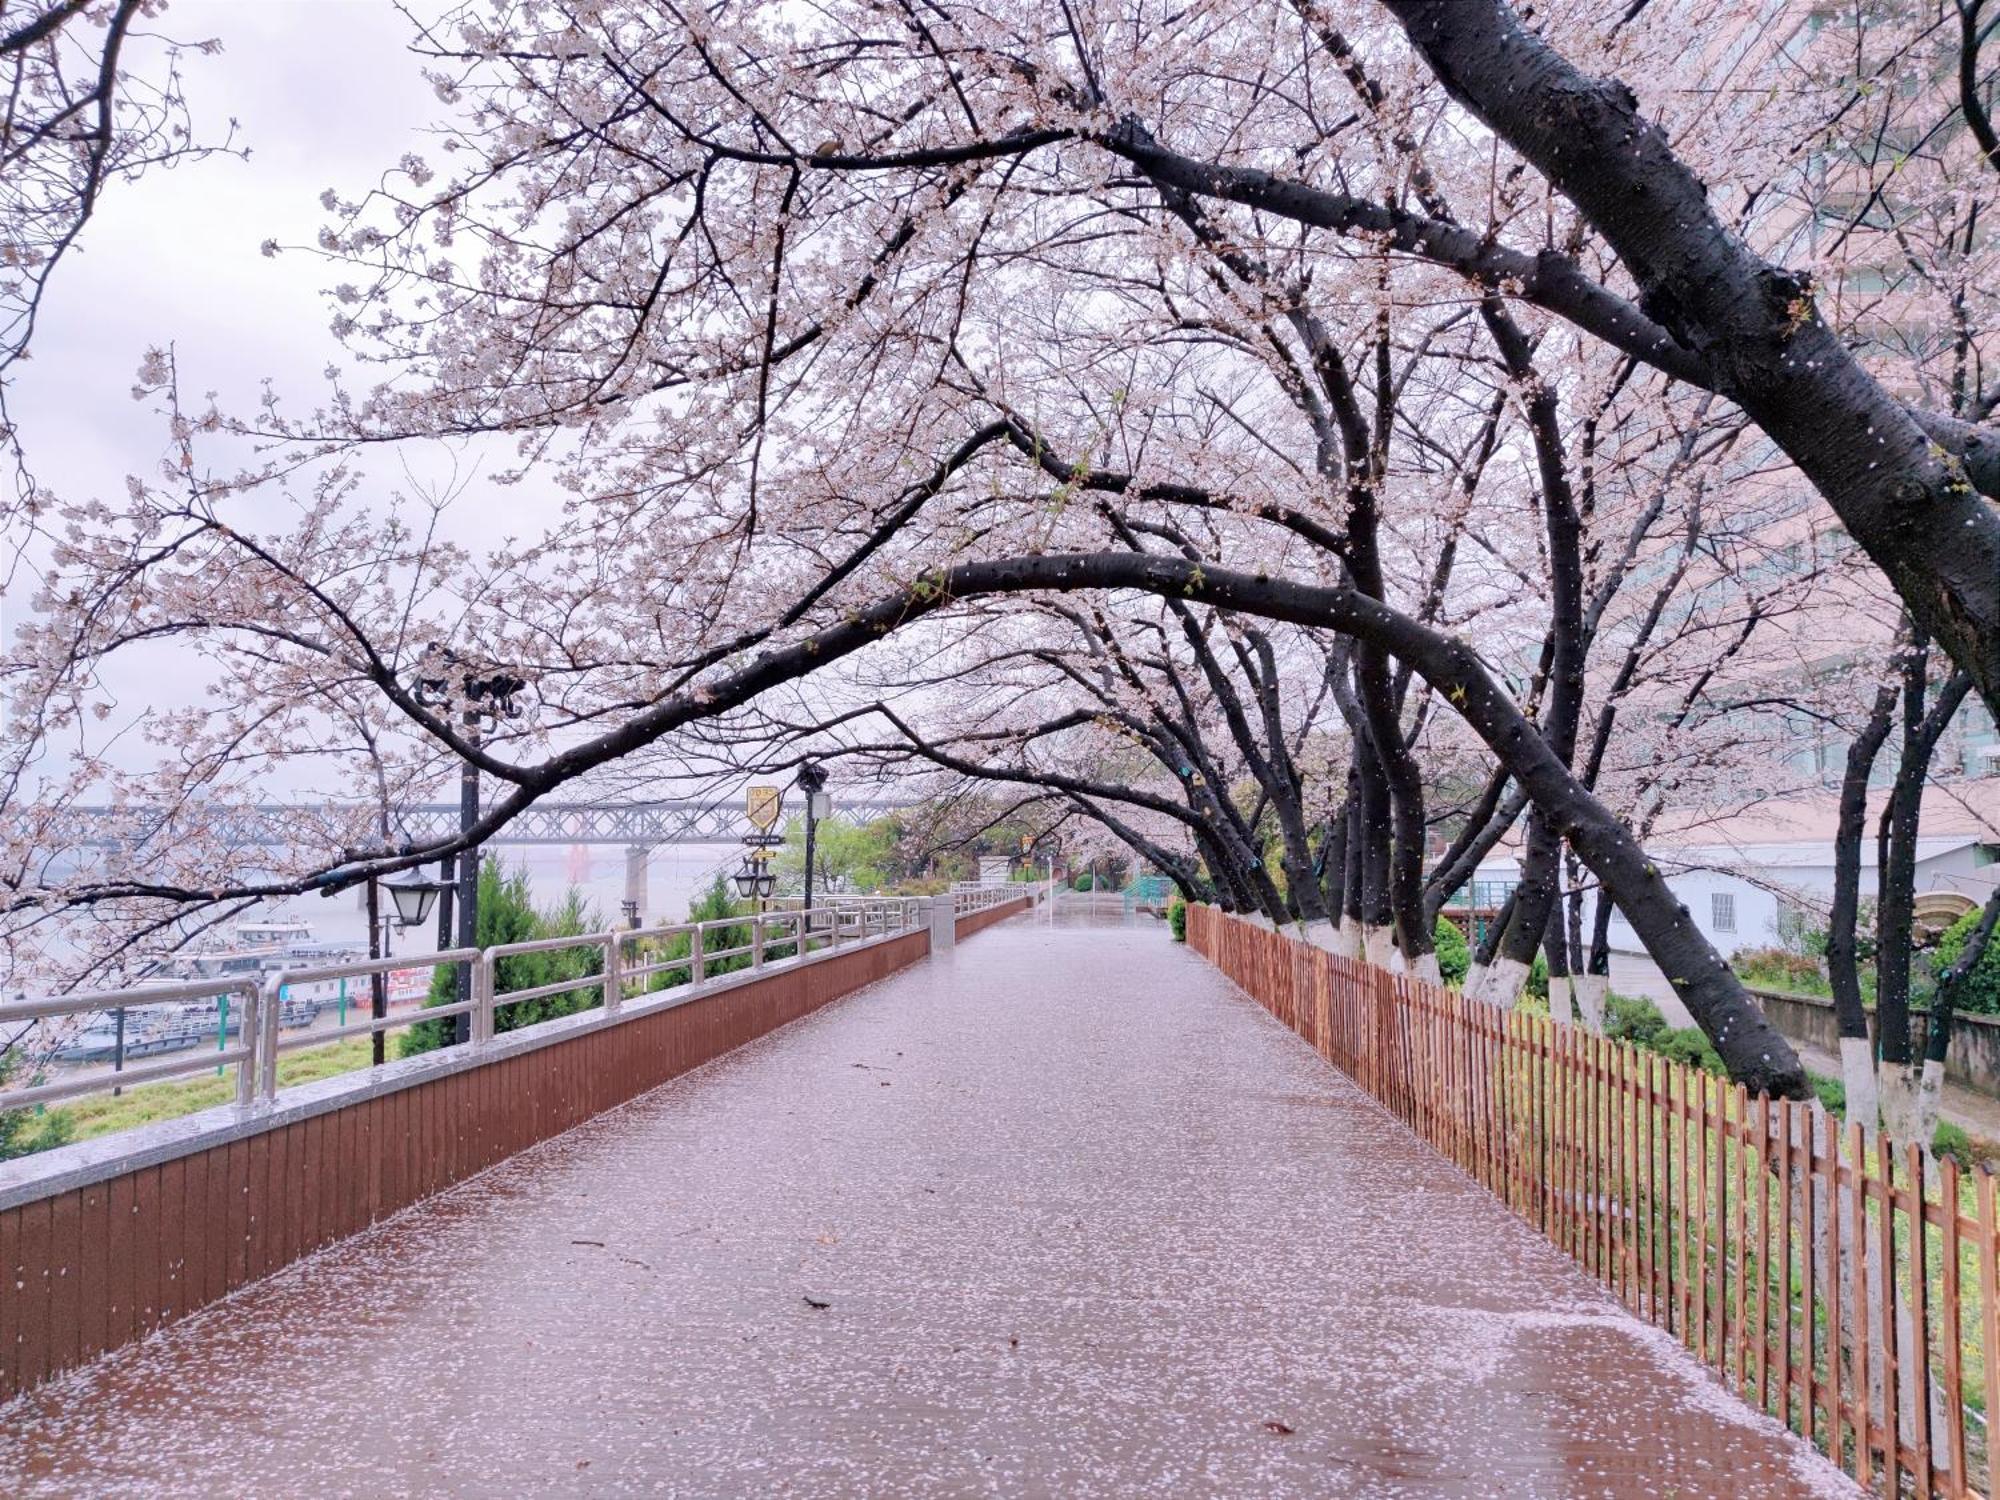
258 948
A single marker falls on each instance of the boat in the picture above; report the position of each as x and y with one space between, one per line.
258 948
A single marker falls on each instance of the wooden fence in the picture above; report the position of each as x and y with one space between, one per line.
1847 1288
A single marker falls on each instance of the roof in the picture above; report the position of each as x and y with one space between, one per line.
1960 811
1797 831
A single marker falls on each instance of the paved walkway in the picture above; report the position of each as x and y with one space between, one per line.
1059 1214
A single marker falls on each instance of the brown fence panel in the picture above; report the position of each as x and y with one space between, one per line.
1848 1286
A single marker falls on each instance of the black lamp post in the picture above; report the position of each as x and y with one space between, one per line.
484 701
811 781
410 901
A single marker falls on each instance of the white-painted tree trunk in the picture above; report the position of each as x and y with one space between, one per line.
1503 983
1376 945
1910 1105
1347 943
1475 980
1590 992
1322 934
1559 991
1857 1077
1910 1101
1426 970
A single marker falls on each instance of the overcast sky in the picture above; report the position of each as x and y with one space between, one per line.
324 94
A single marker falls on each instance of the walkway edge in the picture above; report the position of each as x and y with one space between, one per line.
106 1241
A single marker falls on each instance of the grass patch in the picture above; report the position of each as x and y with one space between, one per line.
148 1103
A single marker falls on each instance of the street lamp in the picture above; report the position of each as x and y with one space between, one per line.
413 898
812 781
755 878
443 679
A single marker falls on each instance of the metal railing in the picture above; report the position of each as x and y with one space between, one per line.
624 966
244 992
968 896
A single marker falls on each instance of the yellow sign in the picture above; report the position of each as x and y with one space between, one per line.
762 804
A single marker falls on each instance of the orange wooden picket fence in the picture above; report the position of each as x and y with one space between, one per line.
1843 1287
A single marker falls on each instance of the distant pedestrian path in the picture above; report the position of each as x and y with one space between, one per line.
1055 1213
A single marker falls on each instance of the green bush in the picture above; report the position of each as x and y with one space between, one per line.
713 905
1454 955
1634 1019
1831 1093
507 914
1081 882
1951 1141
1538 978
1981 992
1177 918
1689 1045
1776 969
36 1128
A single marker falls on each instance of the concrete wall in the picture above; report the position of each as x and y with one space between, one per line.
979 921
1972 1060
105 1241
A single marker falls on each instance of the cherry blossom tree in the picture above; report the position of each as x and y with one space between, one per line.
1319 327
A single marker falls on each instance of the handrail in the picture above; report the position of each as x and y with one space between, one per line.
809 935
96 1002
969 896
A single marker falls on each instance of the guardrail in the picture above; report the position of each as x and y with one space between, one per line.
968 896
104 1240
623 958
244 992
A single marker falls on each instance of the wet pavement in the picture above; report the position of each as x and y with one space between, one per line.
1060 1213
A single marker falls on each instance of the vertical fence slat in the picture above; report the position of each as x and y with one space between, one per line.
1885 1250
1744 1182
1826 1192
1782 1259
1808 1365
1918 1352
1989 1317
1860 1377
1951 1339
1696 1177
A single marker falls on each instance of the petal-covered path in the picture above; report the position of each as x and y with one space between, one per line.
1060 1213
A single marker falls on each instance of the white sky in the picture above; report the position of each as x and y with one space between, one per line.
324 94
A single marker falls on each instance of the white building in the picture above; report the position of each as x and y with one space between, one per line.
1738 875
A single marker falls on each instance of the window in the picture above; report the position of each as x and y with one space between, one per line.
1722 911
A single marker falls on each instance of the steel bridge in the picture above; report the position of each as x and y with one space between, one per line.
634 824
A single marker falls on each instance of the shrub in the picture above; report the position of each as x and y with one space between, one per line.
1177 918
1538 979
1776 969
507 914
1634 1019
1980 994
1831 1093
715 904
1454 955
1690 1045
1952 1141
1081 882
26 1131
